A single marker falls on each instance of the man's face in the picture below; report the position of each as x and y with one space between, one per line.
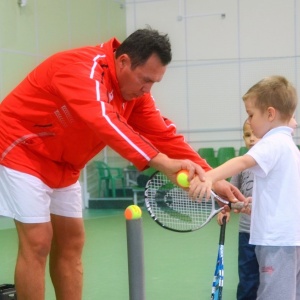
136 82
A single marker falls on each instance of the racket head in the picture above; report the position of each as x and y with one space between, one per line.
172 208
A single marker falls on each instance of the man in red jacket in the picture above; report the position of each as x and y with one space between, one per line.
58 118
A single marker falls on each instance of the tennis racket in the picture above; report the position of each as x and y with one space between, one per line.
170 206
218 280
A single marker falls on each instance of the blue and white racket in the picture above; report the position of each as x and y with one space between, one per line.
218 281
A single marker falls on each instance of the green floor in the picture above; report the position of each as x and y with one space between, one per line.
177 266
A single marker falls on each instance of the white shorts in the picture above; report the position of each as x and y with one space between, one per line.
27 199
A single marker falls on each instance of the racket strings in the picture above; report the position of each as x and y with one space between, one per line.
172 206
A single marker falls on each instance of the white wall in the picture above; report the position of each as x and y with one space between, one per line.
217 58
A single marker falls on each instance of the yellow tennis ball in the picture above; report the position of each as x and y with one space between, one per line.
132 212
182 178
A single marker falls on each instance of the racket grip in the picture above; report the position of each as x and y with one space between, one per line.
238 205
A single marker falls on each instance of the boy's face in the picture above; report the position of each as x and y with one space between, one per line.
293 124
249 138
257 119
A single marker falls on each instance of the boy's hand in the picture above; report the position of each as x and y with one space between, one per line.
221 215
200 189
247 208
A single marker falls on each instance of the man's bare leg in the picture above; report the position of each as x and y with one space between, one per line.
34 247
65 257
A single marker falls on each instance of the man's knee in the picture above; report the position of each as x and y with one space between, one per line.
34 239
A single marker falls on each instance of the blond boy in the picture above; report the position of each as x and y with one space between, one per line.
275 163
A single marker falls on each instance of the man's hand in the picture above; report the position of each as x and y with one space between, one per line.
228 191
170 167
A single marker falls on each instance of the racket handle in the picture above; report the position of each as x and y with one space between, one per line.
238 205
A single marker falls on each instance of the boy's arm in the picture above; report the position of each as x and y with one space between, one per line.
233 166
236 181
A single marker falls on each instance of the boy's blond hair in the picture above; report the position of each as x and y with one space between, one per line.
274 91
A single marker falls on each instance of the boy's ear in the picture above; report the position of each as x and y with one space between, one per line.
271 113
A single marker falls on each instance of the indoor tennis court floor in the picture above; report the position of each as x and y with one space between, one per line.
178 266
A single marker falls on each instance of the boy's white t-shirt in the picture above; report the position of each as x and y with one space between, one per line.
275 217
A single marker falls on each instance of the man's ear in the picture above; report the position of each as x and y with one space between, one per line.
271 113
123 60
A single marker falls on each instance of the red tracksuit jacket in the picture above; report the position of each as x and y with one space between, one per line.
69 108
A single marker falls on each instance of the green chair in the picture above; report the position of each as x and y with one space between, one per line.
142 180
110 176
144 176
212 161
206 152
149 172
242 150
209 155
131 174
224 154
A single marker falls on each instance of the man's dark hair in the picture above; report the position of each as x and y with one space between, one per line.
141 44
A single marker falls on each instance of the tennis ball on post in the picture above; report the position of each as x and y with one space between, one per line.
132 212
182 178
